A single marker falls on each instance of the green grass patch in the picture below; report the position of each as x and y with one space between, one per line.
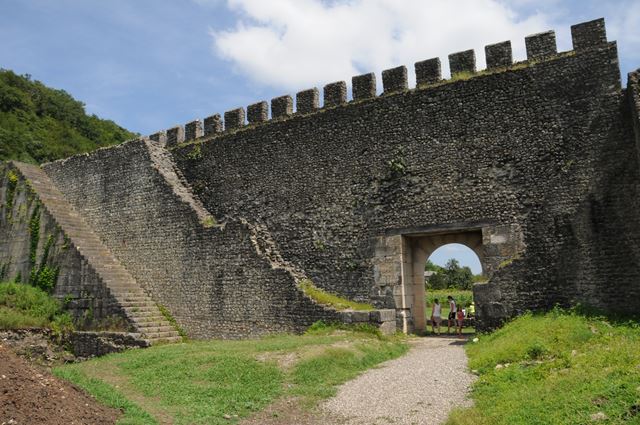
24 306
557 368
331 300
221 382
107 395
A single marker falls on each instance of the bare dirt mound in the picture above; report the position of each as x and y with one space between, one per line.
29 395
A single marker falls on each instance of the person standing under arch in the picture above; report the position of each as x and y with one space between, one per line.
452 314
436 316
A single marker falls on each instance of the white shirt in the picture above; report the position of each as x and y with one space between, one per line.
436 310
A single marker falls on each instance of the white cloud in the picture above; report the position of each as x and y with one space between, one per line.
293 44
623 27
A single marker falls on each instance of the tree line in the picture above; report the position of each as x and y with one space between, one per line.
40 124
452 275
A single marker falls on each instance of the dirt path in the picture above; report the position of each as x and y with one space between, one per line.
29 395
418 388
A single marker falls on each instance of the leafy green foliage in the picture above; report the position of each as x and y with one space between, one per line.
40 124
556 368
34 234
450 276
23 306
12 183
220 382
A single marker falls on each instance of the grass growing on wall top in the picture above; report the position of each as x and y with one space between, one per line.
220 382
557 368
331 300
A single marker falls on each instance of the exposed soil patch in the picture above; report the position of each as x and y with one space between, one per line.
29 395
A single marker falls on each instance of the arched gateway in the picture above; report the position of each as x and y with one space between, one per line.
400 258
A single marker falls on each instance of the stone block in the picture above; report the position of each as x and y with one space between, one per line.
428 71
541 45
234 119
388 328
385 315
193 130
258 112
213 125
464 61
281 106
364 86
588 34
307 101
159 137
499 55
335 94
175 136
395 79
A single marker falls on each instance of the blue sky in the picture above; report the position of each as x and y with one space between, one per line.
463 254
150 64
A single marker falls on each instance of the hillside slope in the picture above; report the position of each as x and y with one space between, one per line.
39 124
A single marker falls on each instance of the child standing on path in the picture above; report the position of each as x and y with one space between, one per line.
460 320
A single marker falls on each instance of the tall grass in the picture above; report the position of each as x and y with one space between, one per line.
557 368
24 306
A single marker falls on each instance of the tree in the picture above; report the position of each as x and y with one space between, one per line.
452 275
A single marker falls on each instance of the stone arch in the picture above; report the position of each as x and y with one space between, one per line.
400 258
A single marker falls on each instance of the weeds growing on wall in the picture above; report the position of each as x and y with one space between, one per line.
12 183
195 153
172 320
44 276
34 234
331 300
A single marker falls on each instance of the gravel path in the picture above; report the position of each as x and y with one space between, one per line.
418 388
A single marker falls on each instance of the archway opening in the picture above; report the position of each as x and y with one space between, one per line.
450 272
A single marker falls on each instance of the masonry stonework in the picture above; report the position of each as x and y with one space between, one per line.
534 165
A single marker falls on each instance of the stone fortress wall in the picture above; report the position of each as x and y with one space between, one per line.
533 164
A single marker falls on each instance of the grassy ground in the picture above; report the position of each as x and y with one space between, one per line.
558 368
25 306
219 382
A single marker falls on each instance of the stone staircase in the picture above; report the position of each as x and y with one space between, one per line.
142 312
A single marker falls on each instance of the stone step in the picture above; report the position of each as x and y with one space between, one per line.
155 329
157 335
142 308
143 302
148 320
163 340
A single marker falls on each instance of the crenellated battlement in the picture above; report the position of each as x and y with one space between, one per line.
428 74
